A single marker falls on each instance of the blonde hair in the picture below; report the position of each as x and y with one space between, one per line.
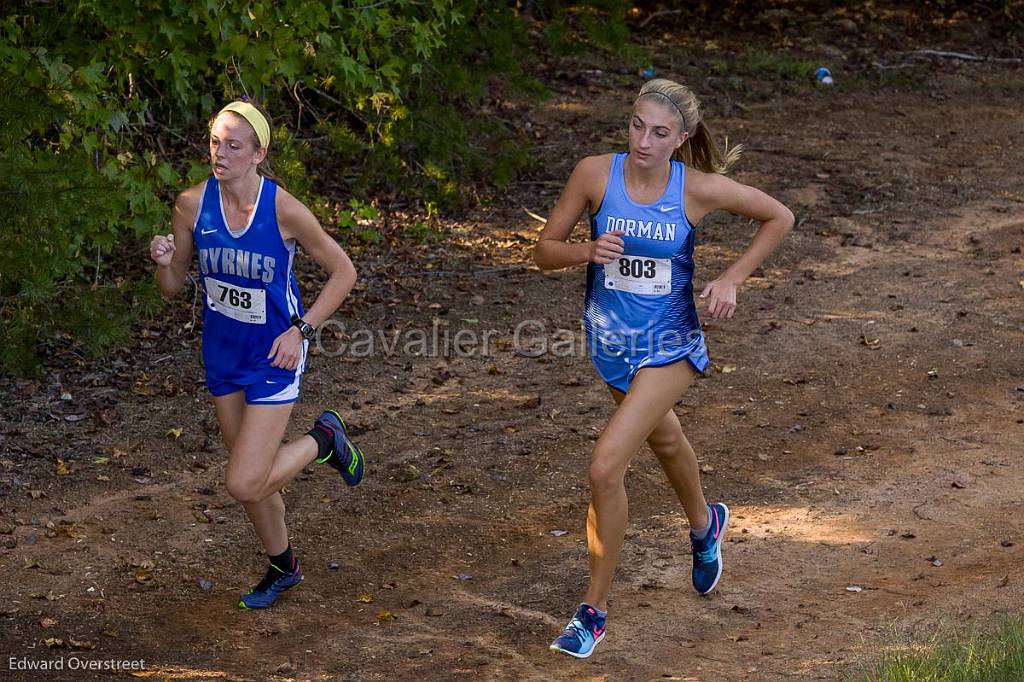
699 150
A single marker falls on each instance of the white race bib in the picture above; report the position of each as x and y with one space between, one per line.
239 303
638 275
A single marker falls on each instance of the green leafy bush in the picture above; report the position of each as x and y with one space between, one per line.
104 105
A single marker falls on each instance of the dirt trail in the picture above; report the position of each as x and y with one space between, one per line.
864 424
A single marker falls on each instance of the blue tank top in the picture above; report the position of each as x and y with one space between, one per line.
250 291
643 301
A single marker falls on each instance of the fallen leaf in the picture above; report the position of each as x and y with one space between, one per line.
409 473
62 468
47 622
143 575
72 530
53 642
174 433
365 599
384 615
102 460
81 644
871 343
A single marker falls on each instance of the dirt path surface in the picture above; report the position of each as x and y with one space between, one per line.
864 422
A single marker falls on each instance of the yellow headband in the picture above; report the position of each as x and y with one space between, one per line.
255 119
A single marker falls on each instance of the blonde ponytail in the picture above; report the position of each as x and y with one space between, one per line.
701 152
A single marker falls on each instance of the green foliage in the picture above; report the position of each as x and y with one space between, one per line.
773 66
104 107
359 221
992 655
573 28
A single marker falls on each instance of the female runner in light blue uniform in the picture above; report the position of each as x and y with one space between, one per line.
642 327
639 309
244 229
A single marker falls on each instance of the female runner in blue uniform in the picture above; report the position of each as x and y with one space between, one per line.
642 329
245 228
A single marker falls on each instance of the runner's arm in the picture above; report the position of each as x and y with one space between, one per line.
716 191
170 277
553 251
298 222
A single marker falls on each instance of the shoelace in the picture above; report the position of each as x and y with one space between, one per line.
707 555
577 629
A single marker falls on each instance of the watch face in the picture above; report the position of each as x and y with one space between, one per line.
308 331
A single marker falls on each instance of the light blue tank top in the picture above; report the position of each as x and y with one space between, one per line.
643 301
250 291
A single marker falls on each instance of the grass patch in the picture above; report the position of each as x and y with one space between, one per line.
991 654
767 65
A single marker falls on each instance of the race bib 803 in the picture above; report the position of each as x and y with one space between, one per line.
638 275
239 303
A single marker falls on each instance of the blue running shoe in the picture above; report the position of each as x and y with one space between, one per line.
344 456
270 588
584 632
707 553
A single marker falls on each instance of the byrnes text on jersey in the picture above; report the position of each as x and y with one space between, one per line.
238 262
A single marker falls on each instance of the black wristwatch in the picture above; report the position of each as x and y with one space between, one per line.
307 330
